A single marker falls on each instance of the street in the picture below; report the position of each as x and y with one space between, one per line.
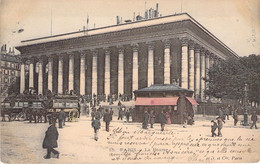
21 142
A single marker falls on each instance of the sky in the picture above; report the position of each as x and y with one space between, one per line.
235 22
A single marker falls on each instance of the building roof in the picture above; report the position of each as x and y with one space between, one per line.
125 26
162 88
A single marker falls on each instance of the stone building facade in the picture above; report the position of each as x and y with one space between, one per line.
122 58
9 70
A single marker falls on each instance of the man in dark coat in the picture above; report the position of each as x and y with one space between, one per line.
162 120
226 113
152 118
213 128
93 114
50 141
61 117
107 118
145 119
120 114
127 115
254 119
96 125
235 117
221 114
220 125
111 113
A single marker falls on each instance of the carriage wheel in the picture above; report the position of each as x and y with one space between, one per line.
21 116
13 116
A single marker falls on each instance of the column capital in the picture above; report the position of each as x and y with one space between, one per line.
107 51
82 55
216 57
120 49
184 41
212 55
207 53
94 52
50 58
60 56
191 45
135 47
197 48
31 60
167 43
71 54
202 51
40 59
150 45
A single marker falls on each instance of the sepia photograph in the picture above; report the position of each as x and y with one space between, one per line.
129 81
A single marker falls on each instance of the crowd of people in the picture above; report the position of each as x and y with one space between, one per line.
96 114
223 115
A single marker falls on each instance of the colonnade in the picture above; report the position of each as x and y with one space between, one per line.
195 62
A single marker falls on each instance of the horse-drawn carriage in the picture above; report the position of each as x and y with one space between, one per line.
69 103
23 107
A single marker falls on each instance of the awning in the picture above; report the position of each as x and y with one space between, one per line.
156 101
192 101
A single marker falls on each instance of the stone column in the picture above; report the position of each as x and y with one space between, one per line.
120 70
197 72
207 64
22 78
50 74
167 67
60 75
135 69
94 72
82 73
31 73
150 78
191 68
202 69
71 72
40 77
184 64
107 71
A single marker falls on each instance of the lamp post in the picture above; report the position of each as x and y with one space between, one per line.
245 106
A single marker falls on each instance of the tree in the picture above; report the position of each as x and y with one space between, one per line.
227 80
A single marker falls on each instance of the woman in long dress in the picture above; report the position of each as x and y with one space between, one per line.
167 114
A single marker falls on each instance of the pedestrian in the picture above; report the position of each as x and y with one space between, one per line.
98 114
213 128
235 117
61 117
111 113
226 113
96 125
152 118
120 114
107 118
162 120
127 115
220 125
145 119
167 114
254 119
50 141
93 114
221 114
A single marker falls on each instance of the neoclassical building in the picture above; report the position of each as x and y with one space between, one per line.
122 58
